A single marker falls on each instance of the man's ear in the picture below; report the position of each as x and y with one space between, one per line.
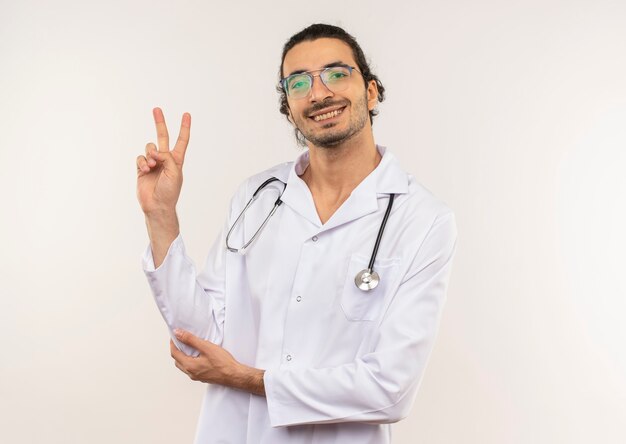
372 95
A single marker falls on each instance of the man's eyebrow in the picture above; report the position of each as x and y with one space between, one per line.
328 65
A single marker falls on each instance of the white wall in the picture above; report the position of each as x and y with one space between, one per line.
512 112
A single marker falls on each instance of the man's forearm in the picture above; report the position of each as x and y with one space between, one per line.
249 380
162 228
215 365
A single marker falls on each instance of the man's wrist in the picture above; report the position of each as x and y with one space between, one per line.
249 379
162 228
162 218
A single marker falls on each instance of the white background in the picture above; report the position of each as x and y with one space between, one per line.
514 113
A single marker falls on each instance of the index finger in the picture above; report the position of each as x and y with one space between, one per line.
163 137
174 351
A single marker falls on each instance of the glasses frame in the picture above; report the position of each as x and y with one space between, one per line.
283 81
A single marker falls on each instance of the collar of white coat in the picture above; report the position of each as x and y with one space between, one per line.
387 178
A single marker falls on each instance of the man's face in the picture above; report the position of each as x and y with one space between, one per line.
350 107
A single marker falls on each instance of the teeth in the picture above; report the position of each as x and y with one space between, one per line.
327 115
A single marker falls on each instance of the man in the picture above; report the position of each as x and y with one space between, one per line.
301 339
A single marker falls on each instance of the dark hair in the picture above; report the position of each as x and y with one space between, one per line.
318 31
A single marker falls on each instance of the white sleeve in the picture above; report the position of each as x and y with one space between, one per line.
380 386
188 301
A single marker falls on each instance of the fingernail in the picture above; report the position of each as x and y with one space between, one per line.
178 332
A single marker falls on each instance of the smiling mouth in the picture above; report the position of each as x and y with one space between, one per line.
328 115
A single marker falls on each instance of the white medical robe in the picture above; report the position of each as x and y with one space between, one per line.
341 364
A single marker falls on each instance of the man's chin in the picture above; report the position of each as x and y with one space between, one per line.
328 142
331 140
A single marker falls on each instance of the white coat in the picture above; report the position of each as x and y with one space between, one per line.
341 364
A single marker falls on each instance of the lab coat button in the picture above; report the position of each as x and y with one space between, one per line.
288 357
314 238
298 298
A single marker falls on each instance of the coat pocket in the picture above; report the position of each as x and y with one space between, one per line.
361 305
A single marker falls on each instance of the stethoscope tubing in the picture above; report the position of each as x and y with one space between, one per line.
365 280
278 203
370 266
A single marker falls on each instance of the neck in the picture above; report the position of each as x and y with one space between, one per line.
336 171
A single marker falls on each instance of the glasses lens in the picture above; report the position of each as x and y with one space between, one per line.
336 77
298 85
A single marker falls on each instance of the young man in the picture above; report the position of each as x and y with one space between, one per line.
321 331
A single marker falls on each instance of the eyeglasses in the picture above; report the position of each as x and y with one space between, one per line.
336 78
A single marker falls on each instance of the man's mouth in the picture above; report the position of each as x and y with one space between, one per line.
327 115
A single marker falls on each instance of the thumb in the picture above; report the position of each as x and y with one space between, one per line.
165 158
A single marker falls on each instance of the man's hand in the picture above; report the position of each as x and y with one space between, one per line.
160 172
215 365
159 181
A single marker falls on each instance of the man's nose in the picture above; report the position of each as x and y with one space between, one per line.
319 91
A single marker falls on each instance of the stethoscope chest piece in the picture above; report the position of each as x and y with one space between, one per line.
367 279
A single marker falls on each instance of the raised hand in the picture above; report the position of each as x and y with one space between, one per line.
159 180
160 171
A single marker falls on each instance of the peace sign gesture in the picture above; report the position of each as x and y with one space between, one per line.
160 171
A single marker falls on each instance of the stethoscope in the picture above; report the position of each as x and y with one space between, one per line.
365 280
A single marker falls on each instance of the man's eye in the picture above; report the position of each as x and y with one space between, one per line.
299 83
336 75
